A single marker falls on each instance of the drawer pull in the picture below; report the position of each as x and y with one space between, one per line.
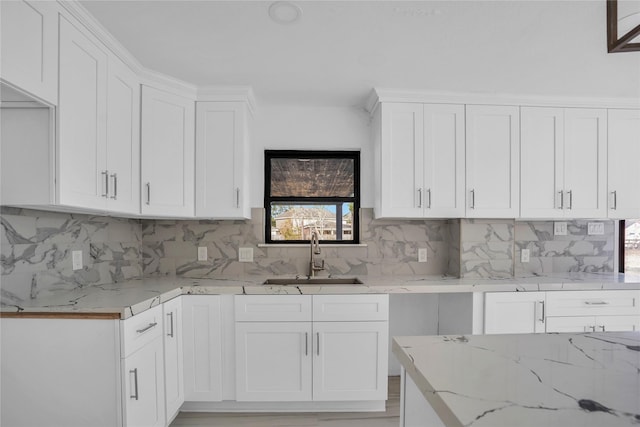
135 383
145 329
596 303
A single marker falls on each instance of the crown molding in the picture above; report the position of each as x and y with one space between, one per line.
147 76
228 94
381 95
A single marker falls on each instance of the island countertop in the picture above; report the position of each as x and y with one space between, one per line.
525 380
128 298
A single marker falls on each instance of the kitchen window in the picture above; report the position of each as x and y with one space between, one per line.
312 191
629 260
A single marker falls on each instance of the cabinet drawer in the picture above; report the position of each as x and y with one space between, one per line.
341 308
140 329
585 303
273 308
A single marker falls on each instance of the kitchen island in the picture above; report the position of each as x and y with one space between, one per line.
520 380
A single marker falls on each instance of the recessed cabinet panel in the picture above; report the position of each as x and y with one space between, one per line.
585 160
168 146
29 36
624 173
82 120
273 361
401 175
222 160
492 159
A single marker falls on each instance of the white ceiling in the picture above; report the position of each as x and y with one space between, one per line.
339 50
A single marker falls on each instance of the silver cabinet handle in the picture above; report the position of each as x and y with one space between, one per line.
135 383
318 343
115 186
146 328
593 328
596 303
428 198
237 197
148 193
570 193
615 200
419 197
170 334
602 327
561 199
542 316
306 343
473 199
105 174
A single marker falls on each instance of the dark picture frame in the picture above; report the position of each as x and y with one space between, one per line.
617 44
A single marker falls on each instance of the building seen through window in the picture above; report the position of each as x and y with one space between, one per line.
631 246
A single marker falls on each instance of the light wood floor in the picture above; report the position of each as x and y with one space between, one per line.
390 418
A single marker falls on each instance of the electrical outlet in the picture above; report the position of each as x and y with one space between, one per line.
202 253
76 260
524 255
422 254
595 228
559 228
245 254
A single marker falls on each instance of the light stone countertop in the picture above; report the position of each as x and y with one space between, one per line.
551 380
134 296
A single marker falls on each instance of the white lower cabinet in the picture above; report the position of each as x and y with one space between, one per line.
142 352
288 356
144 386
273 361
561 311
514 312
173 360
202 341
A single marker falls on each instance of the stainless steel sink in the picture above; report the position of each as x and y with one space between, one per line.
315 281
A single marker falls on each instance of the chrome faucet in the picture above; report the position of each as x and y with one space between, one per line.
315 250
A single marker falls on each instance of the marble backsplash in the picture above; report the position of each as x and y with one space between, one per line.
388 247
492 248
36 250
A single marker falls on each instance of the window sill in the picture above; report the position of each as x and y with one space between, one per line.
306 245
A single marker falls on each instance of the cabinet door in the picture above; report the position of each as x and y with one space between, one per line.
167 153
173 362
222 162
492 159
401 161
29 36
350 360
444 160
585 163
82 125
202 343
144 387
541 154
273 361
623 170
514 312
571 324
123 139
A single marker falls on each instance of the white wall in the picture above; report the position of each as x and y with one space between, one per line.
295 127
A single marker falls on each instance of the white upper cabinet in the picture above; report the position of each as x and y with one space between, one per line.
99 127
29 44
168 144
623 170
492 161
563 163
82 161
222 160
123 139
420 160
